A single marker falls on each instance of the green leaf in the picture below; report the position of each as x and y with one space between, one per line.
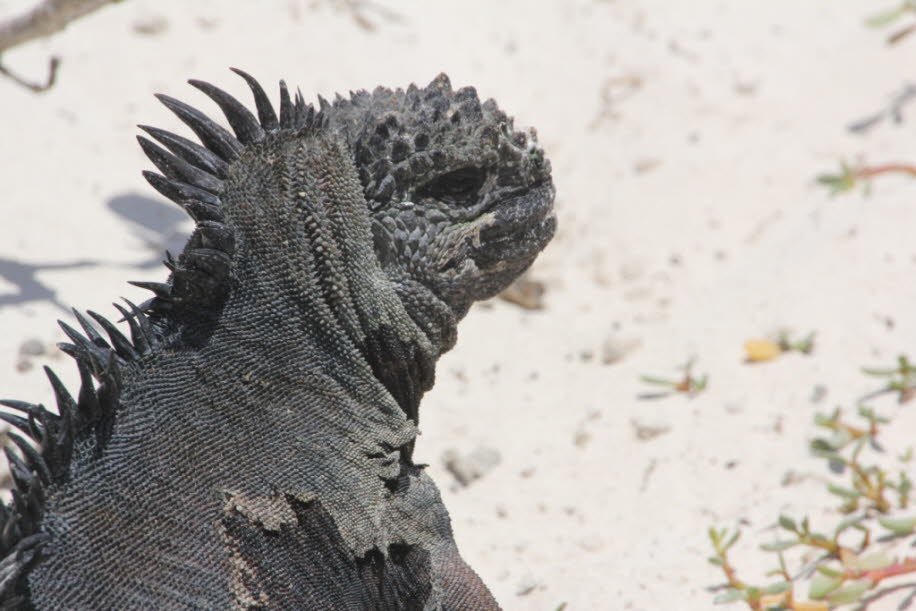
788 523
820 445
819 538
729 596
836 184
866 412
833 458
821 448
900 526
847 523
844 492
829 572
885 18
880 373
872 416
714 535
839 439
734 539
875 561
657 381
777 588
849 593
822 419
715 560
777 546
905 486
822 585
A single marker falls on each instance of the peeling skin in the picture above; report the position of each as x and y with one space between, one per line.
452 244
268 512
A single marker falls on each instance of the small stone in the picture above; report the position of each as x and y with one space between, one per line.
632 270
151 26
471 467
526 585
32 347
525 293
206 23
642 166
645 432
615 348
591 544
818 393
582 438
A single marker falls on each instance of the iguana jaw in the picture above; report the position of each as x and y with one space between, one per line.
519 228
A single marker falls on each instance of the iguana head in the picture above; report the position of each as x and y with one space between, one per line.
460 201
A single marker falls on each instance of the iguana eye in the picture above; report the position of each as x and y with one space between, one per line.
456 186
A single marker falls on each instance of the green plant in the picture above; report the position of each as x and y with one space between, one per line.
760 350
846 565
888 17
850 176
689 384
900 379
804 345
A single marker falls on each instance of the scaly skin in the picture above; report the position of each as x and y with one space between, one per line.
250 446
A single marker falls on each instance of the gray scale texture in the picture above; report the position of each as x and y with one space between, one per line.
251 444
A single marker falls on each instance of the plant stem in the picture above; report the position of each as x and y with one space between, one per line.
887 168
908 565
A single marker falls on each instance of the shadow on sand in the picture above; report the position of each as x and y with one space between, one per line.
158 227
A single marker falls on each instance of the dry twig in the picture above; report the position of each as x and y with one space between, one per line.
48 17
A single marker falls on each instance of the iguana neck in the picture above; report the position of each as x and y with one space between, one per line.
305 265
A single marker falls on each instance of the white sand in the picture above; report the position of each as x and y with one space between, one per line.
729 110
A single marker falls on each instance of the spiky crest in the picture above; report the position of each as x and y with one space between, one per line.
192 176
45 452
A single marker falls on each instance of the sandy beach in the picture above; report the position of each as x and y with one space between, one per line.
685 140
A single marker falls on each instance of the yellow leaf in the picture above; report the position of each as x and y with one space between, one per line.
812 605
771 600
759 350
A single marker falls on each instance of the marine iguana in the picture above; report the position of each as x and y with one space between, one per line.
250 445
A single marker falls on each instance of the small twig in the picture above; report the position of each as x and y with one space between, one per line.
53 65
46 18
893 111
900 34
887 17
358 9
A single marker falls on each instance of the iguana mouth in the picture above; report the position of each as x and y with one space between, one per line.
521 225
